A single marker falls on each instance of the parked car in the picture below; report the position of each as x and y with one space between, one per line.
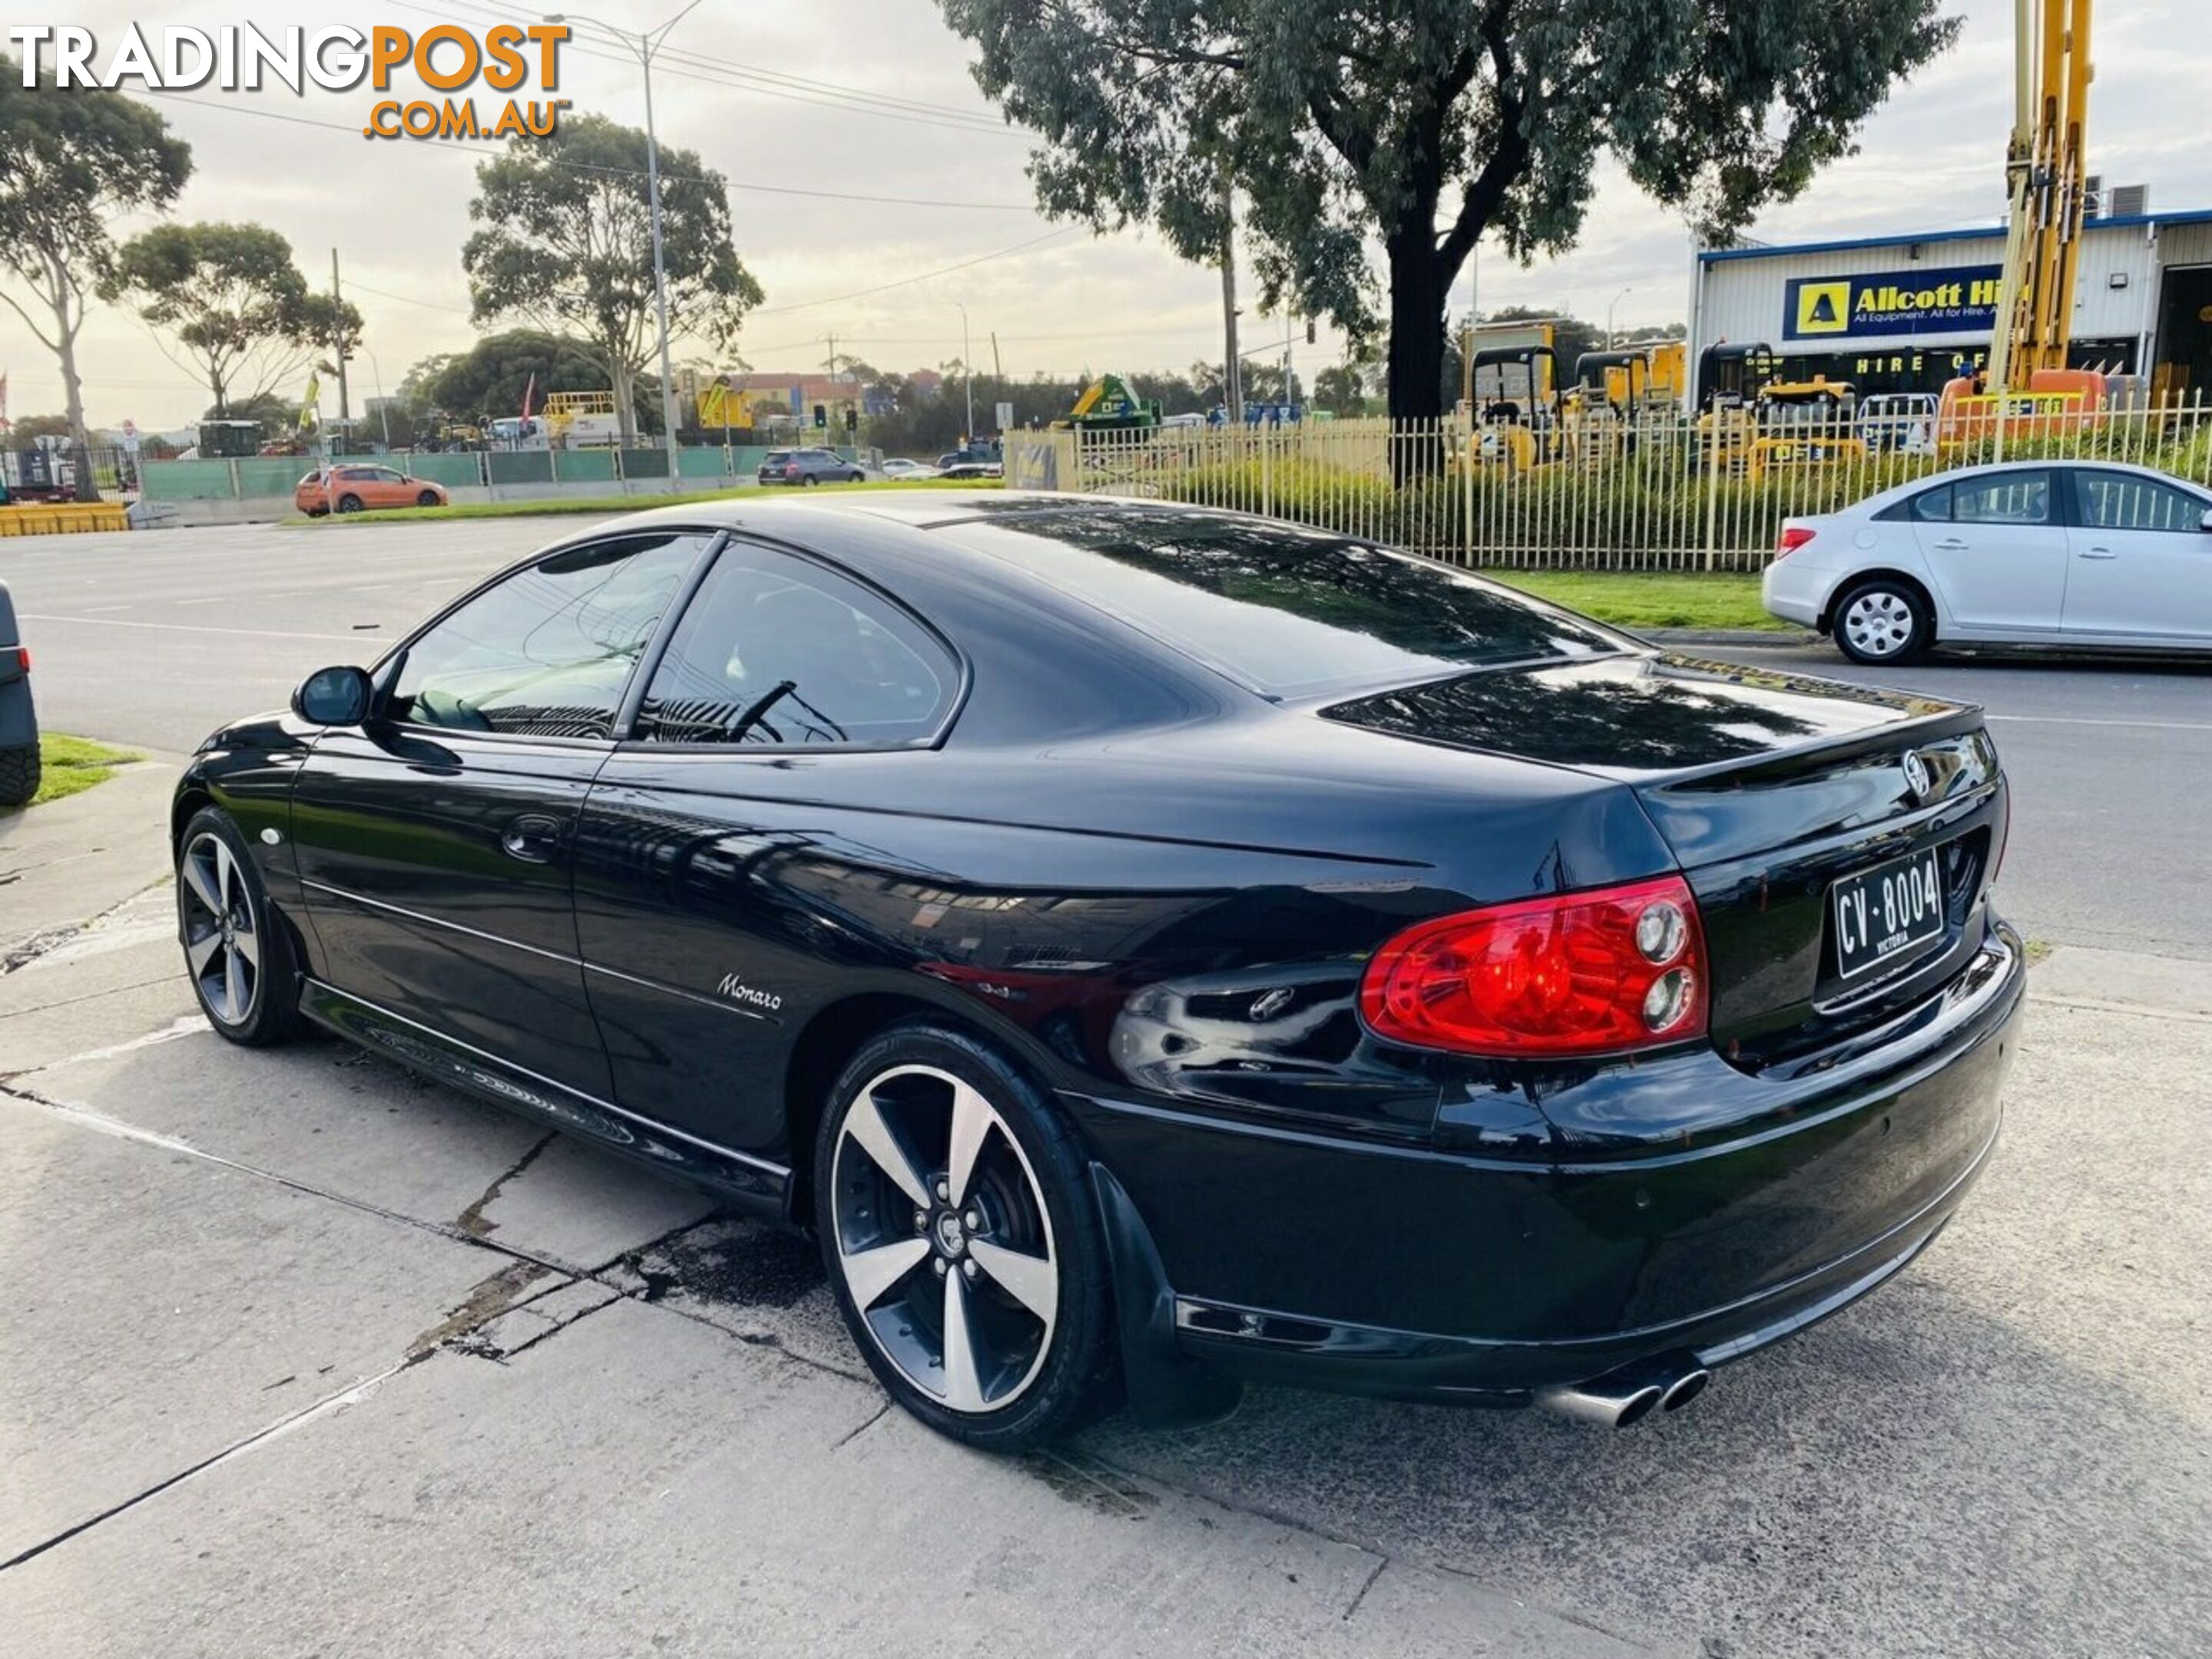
809 466
903 471
18 716
353 488
973 469
976 454
2046 553
1153 946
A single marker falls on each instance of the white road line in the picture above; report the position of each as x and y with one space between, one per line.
2061 720
184 628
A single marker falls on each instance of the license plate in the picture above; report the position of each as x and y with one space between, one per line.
1885 913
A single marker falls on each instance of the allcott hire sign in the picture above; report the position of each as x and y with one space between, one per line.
1963 300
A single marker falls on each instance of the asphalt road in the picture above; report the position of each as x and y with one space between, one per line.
155 639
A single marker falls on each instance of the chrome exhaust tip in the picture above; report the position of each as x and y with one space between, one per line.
1624 1398
1613 1405
1685 1389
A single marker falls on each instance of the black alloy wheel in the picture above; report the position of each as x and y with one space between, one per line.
961 1245
237 954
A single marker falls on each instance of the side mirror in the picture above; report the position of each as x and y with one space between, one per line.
2205 523
333 697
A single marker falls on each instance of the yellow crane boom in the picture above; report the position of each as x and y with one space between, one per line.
2046 178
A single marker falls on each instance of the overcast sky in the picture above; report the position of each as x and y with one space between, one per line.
397 211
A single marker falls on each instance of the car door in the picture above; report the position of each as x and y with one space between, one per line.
1999 559
2142 560
712 855
435 841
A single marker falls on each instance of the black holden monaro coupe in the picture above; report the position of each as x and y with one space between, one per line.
1153 948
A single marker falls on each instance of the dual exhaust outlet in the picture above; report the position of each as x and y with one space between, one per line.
1627 1396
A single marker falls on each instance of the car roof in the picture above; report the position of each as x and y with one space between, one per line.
2032 463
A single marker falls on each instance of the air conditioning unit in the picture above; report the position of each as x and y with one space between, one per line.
2128 202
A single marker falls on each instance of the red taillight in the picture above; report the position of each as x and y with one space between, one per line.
1593 973
23 657
1792 537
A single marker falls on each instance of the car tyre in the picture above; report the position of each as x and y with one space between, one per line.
19 770
967 1259
429 498
1882 621
810 481
349 503
238 953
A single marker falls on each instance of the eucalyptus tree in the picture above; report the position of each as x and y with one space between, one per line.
73 160
1354 134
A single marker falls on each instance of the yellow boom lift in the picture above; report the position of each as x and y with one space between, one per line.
2028 388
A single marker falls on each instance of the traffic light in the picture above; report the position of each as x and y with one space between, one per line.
821 417
1310 331
852 421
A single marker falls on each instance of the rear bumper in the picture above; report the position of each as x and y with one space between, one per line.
1794 591
1260 1347
1425 1274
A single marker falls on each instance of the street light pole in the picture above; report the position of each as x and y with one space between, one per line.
967 372
1617 298
643 46
383 409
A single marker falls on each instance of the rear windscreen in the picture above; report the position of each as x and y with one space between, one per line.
1290 611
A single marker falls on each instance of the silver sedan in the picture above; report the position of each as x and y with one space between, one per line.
2048 553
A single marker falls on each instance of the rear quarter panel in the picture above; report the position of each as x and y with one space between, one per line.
1180 921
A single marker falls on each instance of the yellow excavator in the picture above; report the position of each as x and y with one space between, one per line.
2028 388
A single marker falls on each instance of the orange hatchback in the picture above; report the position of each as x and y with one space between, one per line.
353 488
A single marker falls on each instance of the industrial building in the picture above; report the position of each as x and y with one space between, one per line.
1905 313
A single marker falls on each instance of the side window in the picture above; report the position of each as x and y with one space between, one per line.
776 650
2020 498
548 652
2121 501
1932 506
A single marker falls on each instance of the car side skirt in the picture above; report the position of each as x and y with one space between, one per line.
756 1184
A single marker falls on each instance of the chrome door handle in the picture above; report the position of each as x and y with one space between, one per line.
2096 553
534 838
1953 546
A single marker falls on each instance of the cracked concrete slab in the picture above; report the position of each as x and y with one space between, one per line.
162 1308
334 1118
65 862
761 1282
581 1206
640 1483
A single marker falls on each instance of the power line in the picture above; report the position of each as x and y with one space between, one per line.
905 282
769 83
470 147
408 299
705 67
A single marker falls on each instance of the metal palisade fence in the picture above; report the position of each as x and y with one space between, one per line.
1663 491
